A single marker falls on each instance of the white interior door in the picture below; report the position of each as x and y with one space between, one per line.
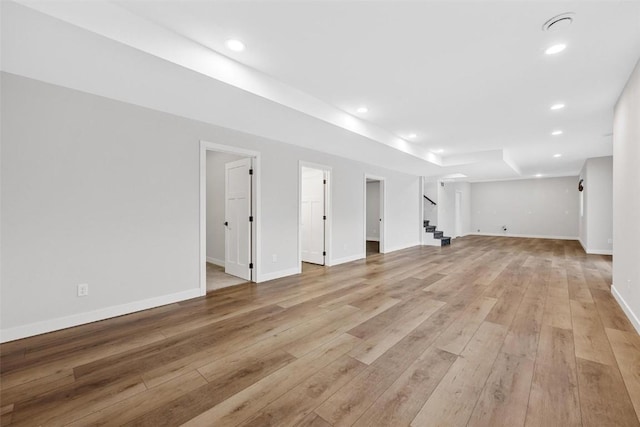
458 214
237 236
312 215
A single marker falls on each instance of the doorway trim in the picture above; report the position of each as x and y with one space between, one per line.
255 201
383 212
327 208
457 214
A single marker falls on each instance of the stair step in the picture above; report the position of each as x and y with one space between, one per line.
445 241
430 228
437 234
425 223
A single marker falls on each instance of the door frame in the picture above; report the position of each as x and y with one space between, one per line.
383 212
256 229
457 214
327 208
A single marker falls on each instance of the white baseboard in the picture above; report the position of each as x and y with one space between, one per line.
584 247
595 251
599 252
43 327
635 321
347 259
526 236
265 277
373 239
401 247
215 261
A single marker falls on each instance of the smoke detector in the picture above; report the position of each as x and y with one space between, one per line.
559 22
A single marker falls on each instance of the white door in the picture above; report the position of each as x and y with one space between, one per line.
312 215
458 214
237 236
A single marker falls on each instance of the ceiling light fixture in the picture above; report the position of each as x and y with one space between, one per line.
412 136
557 106
556 48
362 110
235 45
556 132
557 155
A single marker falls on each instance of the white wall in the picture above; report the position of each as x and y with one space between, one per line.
626 199
596 223
373 211
106 193
446 207
543 207
216 204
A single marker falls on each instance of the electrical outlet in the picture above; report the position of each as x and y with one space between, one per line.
83 290
274 258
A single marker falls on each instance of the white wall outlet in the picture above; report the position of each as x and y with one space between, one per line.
274 258
83 290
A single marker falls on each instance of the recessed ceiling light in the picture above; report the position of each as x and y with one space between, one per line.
235 45
556 48
362 110
438 151
538 175
557 106
557 155
412 136
556 132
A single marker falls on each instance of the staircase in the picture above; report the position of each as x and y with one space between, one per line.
437 235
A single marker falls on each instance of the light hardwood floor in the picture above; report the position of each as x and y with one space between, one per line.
218 279
489 331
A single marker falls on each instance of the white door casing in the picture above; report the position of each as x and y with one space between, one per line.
312 215
237 213
458 214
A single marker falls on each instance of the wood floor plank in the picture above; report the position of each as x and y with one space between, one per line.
588 333
504 399
144 402
400 403
557 310
523 334
313 420
454 398
252 399
370 350
71 402
554 398
604 400
292 407
350 402
610 312
222 385
304 345
455 338
626 347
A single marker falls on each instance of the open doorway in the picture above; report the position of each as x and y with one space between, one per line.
228 209
374 215
314 218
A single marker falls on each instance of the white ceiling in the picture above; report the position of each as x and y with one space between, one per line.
470 78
